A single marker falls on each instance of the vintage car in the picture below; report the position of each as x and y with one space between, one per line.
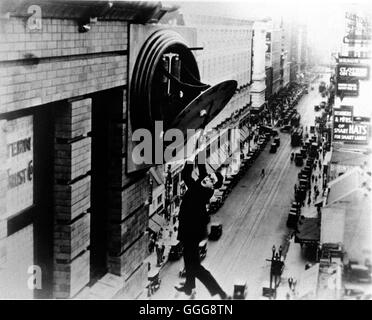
216 231
240 290
273 147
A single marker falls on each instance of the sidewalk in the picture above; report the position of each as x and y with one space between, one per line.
309 210
295 261
294 266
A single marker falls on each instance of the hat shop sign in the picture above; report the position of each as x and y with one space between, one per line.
347 130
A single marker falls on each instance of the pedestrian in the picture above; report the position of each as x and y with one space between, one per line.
193 221
162 252
262 173
158 254
309 201
151 245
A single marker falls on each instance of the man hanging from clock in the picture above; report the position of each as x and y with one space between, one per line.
193 223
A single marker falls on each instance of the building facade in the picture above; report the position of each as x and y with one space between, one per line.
258 88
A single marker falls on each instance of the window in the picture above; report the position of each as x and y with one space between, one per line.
160 199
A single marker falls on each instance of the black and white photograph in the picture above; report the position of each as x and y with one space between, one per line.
185 151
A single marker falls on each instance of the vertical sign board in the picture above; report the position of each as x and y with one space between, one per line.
345 129
19 139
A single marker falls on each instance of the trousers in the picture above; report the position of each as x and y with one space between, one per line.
194 269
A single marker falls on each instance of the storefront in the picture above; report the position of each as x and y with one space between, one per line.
27 148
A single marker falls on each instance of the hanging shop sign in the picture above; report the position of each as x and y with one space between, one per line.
345 129
348 89
347 72
351 60
19 164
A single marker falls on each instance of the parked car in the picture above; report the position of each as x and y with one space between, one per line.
240 290
299 160
216 231
286 128
273 147
358 273
277 141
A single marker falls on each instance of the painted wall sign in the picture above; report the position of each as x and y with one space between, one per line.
348 89
19 139
351 60
345 129
351 71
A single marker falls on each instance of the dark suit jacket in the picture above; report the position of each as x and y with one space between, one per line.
193 216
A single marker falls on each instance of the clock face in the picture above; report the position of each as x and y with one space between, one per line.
165 87
165 80
205 107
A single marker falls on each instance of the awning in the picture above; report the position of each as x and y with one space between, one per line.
308 231
158 219
243 135
244 132
254 110
332 225
157 174
214 161
154 226
345 185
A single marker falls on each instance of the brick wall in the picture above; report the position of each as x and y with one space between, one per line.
123 234
58 62
128 216
72 198
126 263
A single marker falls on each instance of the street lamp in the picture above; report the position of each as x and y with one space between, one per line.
276 269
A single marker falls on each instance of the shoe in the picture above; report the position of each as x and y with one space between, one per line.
225 296
183 289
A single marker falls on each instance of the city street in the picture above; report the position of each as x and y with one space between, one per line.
254 219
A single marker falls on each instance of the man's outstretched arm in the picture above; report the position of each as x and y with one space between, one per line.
201 166
186 174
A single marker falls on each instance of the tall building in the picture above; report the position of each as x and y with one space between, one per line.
274 51
258 87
